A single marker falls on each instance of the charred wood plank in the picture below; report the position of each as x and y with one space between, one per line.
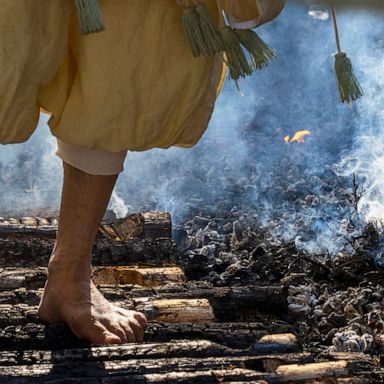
175 310
136 364
228 304
150 225
210 376
139 238
35 251
350 356
34 335
22 231
169 310
278 343
143 276
15 278
119 372
296 372
171 350
178 348
268 297
230 369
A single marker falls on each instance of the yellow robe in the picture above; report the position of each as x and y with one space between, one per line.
135 86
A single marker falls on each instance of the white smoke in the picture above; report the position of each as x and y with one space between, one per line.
236 161
366 159
118 206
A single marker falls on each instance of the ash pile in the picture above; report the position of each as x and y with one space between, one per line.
316 245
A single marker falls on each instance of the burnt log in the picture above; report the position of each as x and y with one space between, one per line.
135 359
35 335
173 349
23 286
295 372
144 276
120 373
35 252
15 278
170 310
139 238
229 369
151 225
280 343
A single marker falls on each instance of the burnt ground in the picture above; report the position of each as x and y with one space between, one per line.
311 268
316 244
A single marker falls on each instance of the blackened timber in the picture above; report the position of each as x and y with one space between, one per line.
139 238
22 231
136 365
228 303
177 348
143 276
150 225
173 349
170 310
182 370
35 251
34 335
118 372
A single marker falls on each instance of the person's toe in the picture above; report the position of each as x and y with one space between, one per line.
95 333
129 333
137 329
141 318
108 338
115 328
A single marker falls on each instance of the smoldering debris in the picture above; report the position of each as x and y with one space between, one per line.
335 300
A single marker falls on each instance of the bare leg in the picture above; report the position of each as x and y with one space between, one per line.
69 295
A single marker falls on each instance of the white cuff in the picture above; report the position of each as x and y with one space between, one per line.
92 161
247 24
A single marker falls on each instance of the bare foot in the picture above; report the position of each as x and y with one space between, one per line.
70 297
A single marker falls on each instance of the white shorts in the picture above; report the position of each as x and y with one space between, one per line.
92 161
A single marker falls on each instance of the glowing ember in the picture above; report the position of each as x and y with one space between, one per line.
298 137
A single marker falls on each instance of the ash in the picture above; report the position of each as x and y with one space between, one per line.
335 299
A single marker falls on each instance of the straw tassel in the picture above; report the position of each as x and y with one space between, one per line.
260 52
89 16
202 35
208 29
348 85
235 57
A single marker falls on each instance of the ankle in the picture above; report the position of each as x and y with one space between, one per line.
69 268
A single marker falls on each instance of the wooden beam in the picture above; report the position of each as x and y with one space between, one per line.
295 372
143 276
169 310
277 343
150 225
129 355
228 304
35 251
29 333
134 371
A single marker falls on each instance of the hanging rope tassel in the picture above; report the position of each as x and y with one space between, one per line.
349 87
202 35
261 53
235 57
213 37
89 16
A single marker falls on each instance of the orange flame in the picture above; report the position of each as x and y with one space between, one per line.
298 137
